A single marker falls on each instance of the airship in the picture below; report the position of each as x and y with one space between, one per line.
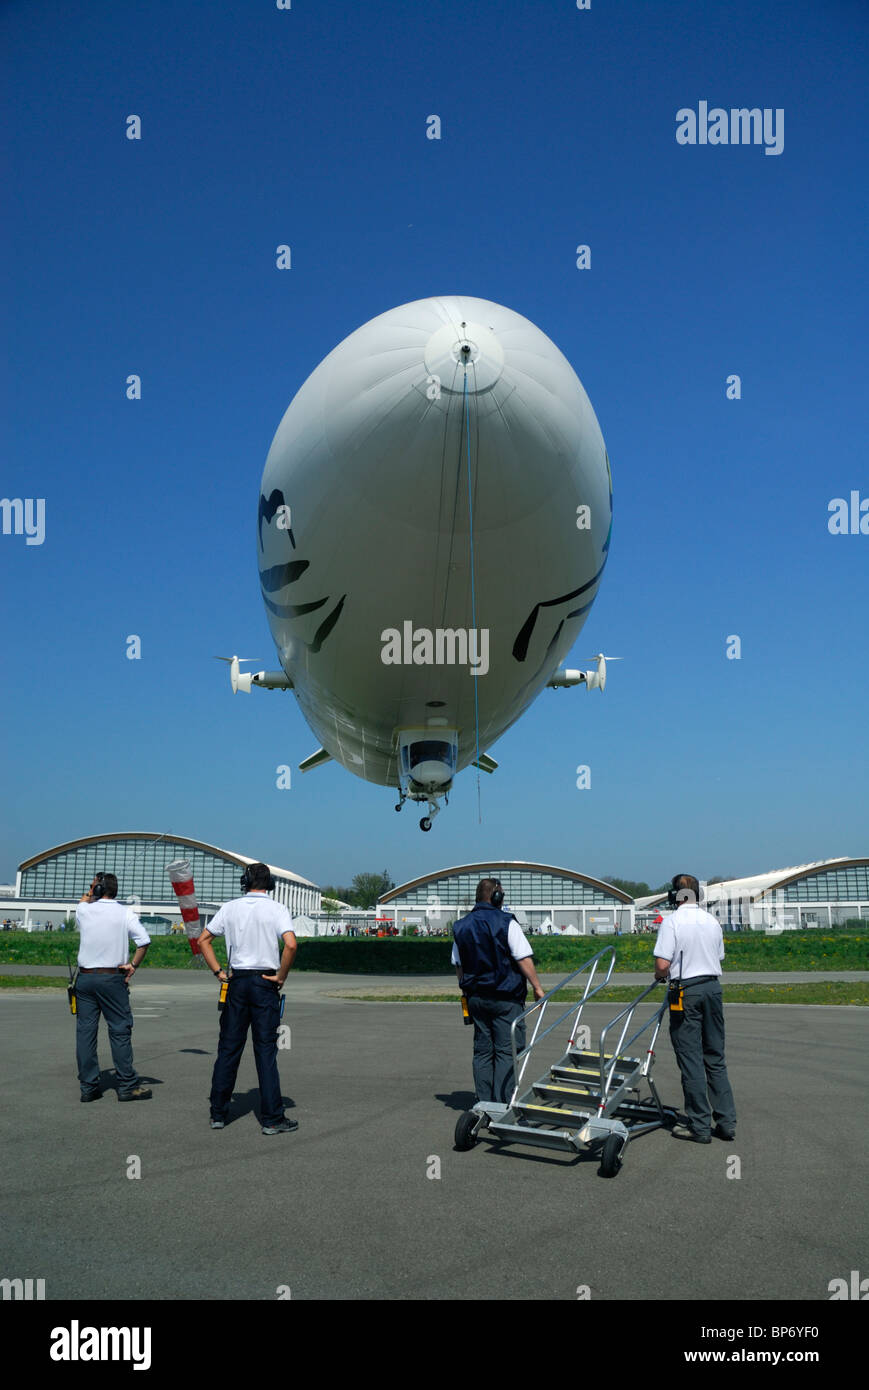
434 521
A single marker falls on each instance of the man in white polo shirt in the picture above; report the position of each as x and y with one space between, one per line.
690 948
102 986
252 926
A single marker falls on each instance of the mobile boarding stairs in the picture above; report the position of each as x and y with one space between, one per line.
586 1100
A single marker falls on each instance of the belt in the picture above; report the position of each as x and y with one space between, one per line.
695 980
100 969
257 970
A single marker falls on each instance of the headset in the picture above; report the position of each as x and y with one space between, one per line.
498 895
246 884
672 900
98 890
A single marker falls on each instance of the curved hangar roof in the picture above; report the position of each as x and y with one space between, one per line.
511 872
760 885
173 846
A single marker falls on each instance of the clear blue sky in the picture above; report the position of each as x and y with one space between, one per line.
558 128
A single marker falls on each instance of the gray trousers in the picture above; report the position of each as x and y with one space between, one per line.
107 995
493 1057
697 1036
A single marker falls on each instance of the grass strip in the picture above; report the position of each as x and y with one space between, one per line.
841 949
825 992
33 982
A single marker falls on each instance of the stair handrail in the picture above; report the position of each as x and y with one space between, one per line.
543 1004
606 1073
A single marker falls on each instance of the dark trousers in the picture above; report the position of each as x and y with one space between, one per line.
107 995
697 1036
493 1057
251 1003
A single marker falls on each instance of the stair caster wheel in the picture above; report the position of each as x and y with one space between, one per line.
466 1127
611 1156
425 823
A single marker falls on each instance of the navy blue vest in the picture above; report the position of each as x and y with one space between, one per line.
488 969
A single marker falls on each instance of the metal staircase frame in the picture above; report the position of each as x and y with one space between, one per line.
601 1113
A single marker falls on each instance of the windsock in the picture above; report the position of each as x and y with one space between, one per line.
181 875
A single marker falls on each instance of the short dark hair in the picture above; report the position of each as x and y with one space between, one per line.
259 876
485 888
110 885
686 888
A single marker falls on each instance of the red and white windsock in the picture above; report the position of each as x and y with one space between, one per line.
181 875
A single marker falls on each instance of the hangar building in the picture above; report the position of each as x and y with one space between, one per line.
827 893
543 898
48 885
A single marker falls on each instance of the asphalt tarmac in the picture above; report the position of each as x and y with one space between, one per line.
369 1200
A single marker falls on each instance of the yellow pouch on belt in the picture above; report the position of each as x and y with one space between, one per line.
674 996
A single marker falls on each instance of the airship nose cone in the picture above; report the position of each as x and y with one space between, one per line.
457 351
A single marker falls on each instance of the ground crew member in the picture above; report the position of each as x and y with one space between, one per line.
494 965
252 926
102 986
690 948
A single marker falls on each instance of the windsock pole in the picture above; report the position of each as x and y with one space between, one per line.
181 876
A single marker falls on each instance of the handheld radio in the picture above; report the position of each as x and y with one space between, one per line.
70 989
224 984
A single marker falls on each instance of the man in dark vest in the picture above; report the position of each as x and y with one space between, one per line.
494 965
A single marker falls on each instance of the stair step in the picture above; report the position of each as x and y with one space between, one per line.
583 1075
594 1058
549 1088
553 1114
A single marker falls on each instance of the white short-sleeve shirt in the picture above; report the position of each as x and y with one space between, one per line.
252 926
106 927
695 935
517 943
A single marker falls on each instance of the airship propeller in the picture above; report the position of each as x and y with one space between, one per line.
596 680
234 662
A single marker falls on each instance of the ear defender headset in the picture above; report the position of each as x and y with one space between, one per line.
247 886
498 896
672 900
98 889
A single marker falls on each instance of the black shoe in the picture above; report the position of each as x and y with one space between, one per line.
721 1133
93 1095
685 1132
283 1126
138 1093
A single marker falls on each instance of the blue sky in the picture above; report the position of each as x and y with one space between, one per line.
308 127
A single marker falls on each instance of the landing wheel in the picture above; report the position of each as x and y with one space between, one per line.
425 823
465 1127
611 1156
399 805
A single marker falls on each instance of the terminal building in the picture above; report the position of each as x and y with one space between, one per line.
49 885
541 897
828 893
